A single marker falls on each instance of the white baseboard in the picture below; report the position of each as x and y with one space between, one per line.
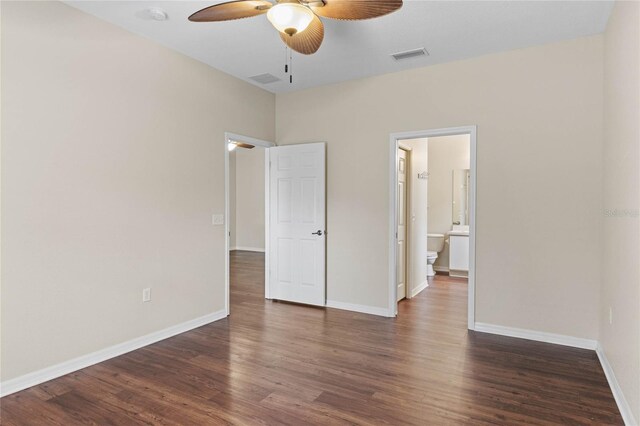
623 405
372 310
257 249
418 289
558 339
440 268
37 377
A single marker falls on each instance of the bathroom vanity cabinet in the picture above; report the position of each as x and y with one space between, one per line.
459 254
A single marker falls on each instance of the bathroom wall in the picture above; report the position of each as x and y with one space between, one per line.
620 218
446 154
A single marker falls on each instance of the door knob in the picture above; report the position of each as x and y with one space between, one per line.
319 232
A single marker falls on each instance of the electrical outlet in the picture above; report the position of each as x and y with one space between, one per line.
610 315
218 219
146 295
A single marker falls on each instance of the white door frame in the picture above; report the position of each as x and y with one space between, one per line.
228 137
394 139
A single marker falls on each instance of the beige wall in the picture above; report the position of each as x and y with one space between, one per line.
621 216
249 199
539 117
446 154
112 166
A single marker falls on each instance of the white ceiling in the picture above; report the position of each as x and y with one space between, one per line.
449 30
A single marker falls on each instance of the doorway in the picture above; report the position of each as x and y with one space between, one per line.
294 220
402 262
233 144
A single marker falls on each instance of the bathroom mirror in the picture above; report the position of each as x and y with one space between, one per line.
460 199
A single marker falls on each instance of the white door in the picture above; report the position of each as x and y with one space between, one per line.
297 223
402 225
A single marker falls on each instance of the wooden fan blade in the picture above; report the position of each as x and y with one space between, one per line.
231 10
355 9
245 145
307 41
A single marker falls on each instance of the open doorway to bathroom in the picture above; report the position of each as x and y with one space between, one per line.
432 215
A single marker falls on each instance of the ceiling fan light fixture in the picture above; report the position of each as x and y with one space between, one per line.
297 21
290 18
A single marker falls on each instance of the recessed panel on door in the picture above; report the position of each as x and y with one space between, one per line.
285 162
308 258
285 256
309 160
309 196
285 200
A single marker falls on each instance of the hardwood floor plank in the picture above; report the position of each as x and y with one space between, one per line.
279 363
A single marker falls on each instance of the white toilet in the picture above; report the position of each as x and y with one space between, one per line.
435 244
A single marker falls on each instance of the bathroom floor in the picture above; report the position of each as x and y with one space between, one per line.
445 300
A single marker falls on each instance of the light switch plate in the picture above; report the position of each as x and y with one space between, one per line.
218 219
146 294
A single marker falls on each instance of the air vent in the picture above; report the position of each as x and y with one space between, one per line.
410 54
264 78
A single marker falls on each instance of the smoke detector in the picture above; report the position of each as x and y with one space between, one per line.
154 14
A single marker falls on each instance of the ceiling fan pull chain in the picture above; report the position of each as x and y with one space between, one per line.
290 66
286 65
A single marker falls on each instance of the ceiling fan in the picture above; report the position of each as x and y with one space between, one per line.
298 20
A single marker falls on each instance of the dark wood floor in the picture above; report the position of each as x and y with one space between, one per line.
279 363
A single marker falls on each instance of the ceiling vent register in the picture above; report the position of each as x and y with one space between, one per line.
264 78
410 54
